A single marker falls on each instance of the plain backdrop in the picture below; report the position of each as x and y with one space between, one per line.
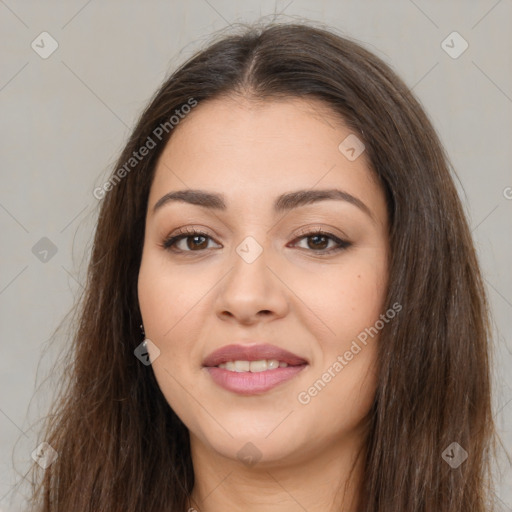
64 119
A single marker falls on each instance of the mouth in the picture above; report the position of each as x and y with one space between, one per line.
252 369
261 354
252 366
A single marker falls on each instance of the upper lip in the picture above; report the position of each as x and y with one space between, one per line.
251 353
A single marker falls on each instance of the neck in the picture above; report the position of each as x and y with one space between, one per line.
327 482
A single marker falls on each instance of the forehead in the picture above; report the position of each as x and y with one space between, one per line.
254 151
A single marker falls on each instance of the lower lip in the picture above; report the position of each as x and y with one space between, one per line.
248 383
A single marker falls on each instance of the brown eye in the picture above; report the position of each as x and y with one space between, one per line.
318 241
197 241
194 241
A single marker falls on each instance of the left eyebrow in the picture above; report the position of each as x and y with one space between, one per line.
284 202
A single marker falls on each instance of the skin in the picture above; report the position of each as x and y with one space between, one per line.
314 306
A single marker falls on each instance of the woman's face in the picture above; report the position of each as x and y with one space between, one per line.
260 274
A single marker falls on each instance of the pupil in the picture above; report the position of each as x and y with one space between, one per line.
194 238
316 237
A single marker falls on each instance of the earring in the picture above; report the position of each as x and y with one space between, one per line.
142 330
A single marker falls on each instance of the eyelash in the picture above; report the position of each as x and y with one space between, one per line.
187 233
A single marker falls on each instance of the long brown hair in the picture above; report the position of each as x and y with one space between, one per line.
122 448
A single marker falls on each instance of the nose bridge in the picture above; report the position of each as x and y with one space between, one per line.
250 272
251 286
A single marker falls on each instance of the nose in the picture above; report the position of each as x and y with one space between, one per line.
252 292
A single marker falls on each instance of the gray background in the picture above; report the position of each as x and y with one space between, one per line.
64 120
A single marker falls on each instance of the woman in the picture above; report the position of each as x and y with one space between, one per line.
283 232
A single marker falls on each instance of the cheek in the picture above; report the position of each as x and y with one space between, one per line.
166 301
166 297
346 388
342 399
174 304
347 298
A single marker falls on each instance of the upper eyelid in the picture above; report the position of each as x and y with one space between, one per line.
191 231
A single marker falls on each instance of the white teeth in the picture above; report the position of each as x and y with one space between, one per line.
242 366
253 366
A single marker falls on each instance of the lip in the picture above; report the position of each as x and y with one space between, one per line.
237 352
248 383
